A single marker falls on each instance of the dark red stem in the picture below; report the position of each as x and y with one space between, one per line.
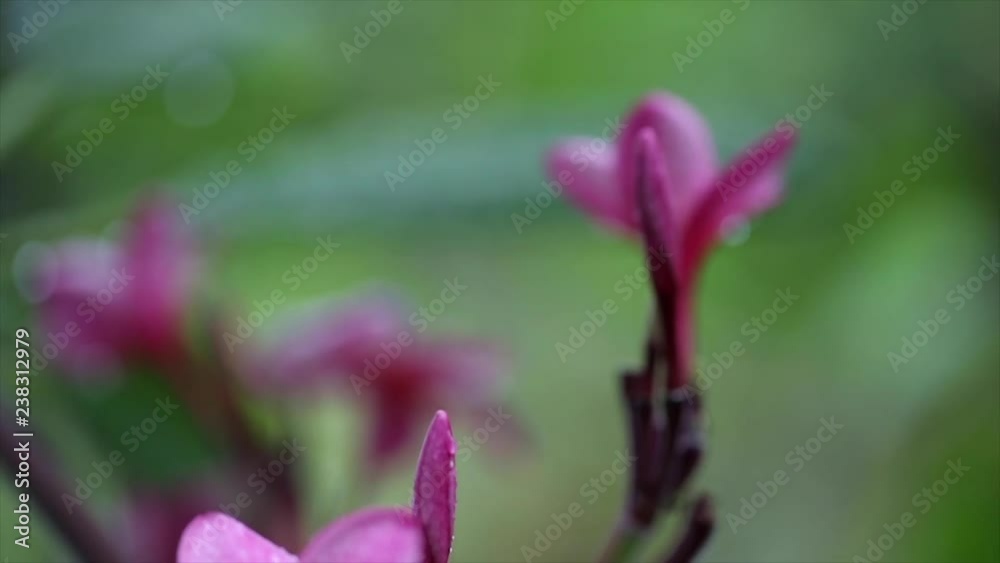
694 537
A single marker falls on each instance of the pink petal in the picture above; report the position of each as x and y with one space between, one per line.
217 538
435 489
80 266
160 255
686 142
660 235
586 170
463 371
652 188
752 183
372 535
74 280
370 318
325 344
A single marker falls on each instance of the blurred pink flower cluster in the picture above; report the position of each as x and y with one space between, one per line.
140 302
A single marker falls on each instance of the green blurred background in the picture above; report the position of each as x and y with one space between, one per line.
324 174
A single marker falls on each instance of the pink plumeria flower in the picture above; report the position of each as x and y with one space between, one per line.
371 349
371 535
110 303
700 202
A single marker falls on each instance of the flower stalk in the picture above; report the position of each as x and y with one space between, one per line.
664 425
694 537
662 184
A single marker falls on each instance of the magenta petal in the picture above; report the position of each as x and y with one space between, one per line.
74 272
160 254
372 535
752 183
217 538
655 204
661 236
80 266
367 319
435 489
466 371
687 144
586 170
324 344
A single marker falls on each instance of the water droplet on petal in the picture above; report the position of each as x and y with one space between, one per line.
735 231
